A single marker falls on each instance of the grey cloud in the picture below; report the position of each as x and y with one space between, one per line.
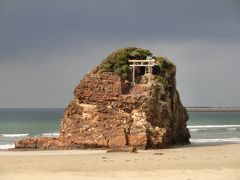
59 26
47 46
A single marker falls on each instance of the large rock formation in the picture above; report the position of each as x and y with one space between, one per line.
108 111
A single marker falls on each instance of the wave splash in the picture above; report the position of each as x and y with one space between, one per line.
9 139
214 126
55 134
6 146
232 129
52 134
233 140
197 129
14 135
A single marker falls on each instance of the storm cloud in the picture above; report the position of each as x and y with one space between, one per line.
47 46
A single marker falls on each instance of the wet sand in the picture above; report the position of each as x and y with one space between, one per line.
185 162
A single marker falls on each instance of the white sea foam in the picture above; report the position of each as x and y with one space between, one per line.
50 134
236 139
232 129
7 146
214 126
14 135
195 129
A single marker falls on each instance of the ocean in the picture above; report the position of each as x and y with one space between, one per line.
214 127
21 122
205 127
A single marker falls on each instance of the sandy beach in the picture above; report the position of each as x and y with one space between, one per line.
186 162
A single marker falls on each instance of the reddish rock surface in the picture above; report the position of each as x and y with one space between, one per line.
107 112
41 143
101 116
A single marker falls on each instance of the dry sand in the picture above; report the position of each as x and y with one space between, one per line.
187 162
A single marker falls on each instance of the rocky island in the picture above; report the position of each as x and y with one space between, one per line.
129 100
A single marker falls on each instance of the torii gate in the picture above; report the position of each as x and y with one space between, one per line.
149 62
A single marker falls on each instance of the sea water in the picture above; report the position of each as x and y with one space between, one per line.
204 127
214 127
20 123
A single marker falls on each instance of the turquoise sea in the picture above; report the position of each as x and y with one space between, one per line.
21 122
205 127
214 127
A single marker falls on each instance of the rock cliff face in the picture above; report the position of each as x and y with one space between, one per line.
107 111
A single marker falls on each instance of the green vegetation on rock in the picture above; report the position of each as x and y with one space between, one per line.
117 63
163 64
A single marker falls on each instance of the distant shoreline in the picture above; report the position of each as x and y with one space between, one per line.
213 109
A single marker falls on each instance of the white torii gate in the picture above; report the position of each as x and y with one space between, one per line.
149 62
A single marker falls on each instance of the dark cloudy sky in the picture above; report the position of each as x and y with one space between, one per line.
46 46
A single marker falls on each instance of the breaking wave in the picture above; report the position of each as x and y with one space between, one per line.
214 126
7 146
236 140
50 134
14 135
232 129
195 130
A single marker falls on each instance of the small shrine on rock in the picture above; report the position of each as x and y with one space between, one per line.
148 64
